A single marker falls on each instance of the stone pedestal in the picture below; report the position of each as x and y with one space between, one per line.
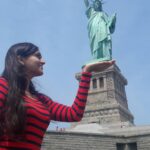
107 102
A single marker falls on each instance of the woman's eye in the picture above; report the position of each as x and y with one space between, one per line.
38 56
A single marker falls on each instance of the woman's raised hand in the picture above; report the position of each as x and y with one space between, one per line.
98 67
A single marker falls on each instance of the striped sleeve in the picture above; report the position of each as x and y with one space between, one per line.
60 112
3 91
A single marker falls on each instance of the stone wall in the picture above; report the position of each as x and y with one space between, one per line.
88 141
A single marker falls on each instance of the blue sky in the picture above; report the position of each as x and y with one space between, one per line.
59 29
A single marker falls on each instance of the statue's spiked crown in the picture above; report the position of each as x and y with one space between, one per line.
101 1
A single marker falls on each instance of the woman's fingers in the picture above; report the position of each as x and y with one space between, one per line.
98 67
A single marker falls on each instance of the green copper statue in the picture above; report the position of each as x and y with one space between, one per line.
100 28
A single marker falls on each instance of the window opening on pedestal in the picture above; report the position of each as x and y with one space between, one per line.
126 146
120 146
132 146
101 82
94 83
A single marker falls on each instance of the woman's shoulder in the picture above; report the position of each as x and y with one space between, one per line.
3 81
43 97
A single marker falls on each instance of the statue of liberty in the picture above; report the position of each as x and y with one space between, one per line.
100 28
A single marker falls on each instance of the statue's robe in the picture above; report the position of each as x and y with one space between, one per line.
100 27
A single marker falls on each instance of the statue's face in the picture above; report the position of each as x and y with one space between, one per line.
97 5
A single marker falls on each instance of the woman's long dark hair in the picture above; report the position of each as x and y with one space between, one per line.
13 114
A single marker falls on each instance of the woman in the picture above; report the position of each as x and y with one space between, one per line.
24 112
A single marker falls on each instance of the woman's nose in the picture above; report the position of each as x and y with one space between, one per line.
42 61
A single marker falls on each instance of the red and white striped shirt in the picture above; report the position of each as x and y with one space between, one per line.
41 111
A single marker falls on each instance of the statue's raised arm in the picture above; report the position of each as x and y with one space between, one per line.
86 3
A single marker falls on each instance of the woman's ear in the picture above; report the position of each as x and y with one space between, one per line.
20 60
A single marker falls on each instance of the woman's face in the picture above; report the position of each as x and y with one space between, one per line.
34 64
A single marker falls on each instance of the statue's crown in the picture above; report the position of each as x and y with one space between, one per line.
101 1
